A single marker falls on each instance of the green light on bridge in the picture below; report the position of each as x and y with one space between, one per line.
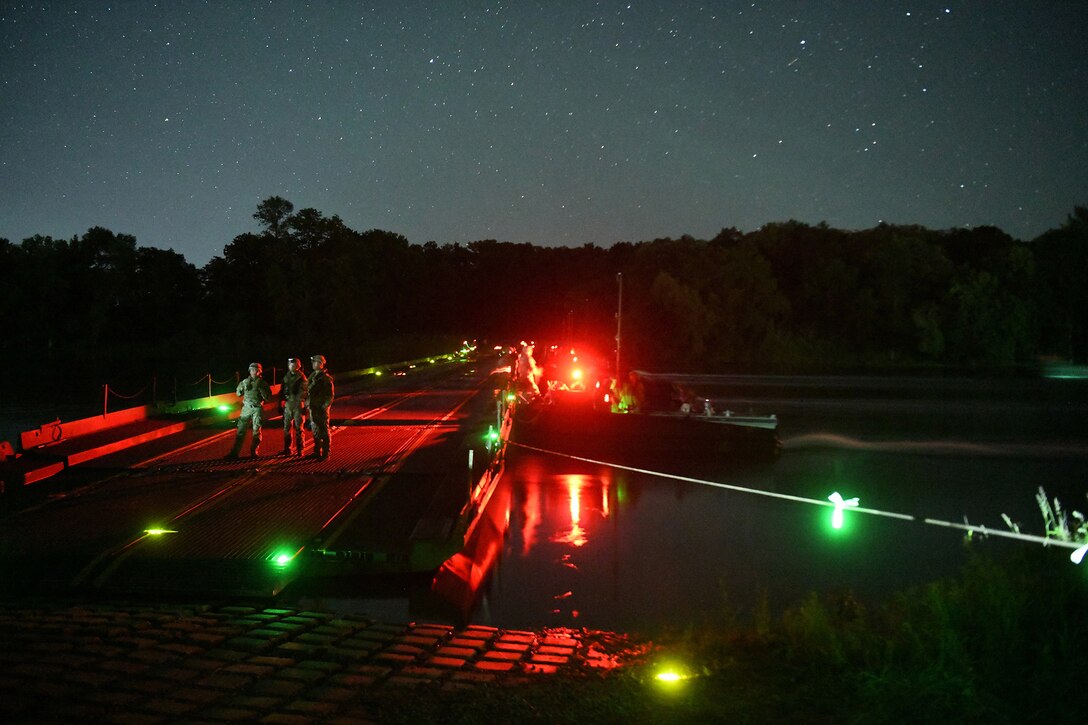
223 408
283 559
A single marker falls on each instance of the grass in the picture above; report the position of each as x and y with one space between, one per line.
1003 641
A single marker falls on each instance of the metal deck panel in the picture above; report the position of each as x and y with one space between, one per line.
105 515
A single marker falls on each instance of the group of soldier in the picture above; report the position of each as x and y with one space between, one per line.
298 393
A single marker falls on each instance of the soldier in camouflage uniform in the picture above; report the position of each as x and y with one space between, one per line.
254 392
293 396
321 393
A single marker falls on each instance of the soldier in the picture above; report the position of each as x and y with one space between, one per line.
528 372
321 394
293 396
254 393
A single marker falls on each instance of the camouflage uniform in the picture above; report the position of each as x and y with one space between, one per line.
254 392
321 392
293 394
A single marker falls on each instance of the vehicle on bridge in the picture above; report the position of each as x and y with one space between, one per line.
583 410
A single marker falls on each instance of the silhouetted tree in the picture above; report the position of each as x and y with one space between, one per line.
274 213
786 294
1060 292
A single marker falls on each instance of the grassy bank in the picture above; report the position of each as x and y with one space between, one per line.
1006 641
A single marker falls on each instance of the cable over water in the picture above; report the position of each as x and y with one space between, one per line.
834 501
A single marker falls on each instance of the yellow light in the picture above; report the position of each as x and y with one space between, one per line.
159 532
576 374
668 676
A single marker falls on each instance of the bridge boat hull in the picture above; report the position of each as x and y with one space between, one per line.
570 423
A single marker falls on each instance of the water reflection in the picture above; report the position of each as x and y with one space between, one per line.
576 535
560 514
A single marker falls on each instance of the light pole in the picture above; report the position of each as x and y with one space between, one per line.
619 323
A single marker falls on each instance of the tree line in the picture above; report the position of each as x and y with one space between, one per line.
786 296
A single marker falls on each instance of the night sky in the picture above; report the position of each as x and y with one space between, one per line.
555 123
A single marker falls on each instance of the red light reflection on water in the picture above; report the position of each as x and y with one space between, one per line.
576 534
563 509
562 513
530 516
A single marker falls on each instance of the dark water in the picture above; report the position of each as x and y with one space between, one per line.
600 547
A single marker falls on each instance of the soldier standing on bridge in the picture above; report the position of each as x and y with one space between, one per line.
293 394
254 393
321 393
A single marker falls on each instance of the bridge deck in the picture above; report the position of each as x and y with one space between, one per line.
397 468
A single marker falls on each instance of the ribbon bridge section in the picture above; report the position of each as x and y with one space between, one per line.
175 516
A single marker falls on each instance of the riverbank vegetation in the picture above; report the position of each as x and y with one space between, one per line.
1004 641
786 296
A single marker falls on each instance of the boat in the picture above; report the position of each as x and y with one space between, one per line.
584 423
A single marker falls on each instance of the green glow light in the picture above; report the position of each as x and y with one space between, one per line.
159 532
223 408
668 677
378 373
283 559
840 504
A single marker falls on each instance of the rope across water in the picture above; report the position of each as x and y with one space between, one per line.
1075 557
